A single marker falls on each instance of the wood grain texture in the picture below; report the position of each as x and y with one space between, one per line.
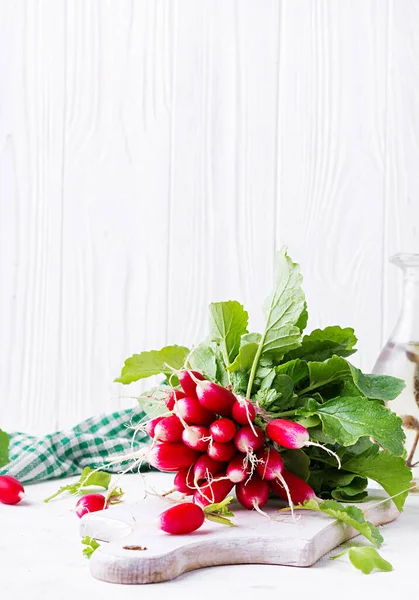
155 153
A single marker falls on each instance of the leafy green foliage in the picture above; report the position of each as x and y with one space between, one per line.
297 369
377 387
322 344
245 357
366 559
349 515
4 448
91 545
203 359
219 512
227 323
88 478
338 484
154 362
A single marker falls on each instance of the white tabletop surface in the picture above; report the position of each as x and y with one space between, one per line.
41 558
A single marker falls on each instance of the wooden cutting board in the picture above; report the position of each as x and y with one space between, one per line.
137 552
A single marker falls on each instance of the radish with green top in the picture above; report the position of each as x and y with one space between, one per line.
171 456
190 410
169 429
90 503
249 439
243 411
215 398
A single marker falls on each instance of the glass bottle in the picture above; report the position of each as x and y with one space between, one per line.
400 358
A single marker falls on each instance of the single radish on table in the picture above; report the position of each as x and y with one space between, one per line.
171 456
223 430
189 410
299 490
253 493
90 503
183 481
11 490
196 437
243 411
213 491
173 397
221 452
215 398
293 436
206 467
181 519
187 382
249 438
169 429
239 469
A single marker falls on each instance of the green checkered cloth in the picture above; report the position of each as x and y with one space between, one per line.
92 443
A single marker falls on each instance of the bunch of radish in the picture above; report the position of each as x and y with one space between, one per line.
212 443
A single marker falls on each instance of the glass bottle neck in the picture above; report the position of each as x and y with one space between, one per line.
407 328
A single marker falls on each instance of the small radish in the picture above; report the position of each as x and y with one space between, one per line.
90 503
171 456
181 519
151 426
215 398
183 481
269 464
294 436
243 411
239 469
11 490
206 467
213 491
299 490
221 452
196 437
223 430
253 493
249 438
187 382
169 429
189 410
173 397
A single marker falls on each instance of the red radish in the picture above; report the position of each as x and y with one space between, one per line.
190 410
181 519
213 491
270 464
247 440
299 490
215 398
90 503
206 467
11 490
183 481
151 425
243 411
223 430
173 397
287 434
188 384
169 429
196 437
294 436
171 456
221 452
253 493
239 469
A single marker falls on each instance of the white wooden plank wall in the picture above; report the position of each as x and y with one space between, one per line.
155 153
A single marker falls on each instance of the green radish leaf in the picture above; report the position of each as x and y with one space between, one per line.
377 387
297 369
334 369
219 511
389 471
366 559
245 357
322 344
303 318
4 448
88 478
91 546
115 497
347 419
152 402
338 484
154 362
227 323
239 381
297 462
349 515
220 520
249 338
203 359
